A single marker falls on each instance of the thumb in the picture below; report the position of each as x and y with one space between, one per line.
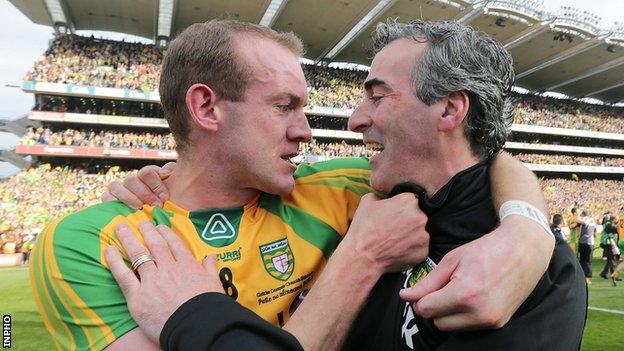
165 171
434 281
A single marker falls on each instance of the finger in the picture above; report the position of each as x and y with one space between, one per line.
135 185
166 170
151 177
435 280
122 194
134 248
156 244
441 303
107 196
372 197
178 248
210 266
125 278
455 322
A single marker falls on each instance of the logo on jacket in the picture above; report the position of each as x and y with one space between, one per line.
278 259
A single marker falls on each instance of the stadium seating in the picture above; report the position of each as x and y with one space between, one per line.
34 196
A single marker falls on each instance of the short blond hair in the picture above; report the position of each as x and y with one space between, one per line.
204 53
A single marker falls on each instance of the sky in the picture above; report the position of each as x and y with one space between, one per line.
22 42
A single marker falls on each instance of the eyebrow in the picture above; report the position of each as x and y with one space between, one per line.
369 84
291 97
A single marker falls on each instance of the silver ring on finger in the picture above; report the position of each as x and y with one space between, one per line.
139 261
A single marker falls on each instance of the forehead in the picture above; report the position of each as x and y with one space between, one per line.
271 65
395 62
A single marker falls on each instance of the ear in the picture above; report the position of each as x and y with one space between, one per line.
201 102
455 111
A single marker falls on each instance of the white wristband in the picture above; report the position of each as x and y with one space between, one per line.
525 209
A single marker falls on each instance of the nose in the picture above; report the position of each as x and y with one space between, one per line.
359 120
300 129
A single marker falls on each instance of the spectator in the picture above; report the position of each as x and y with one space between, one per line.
609 243
586 243
557 224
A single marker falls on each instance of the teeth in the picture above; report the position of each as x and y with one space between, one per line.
289 158
374 146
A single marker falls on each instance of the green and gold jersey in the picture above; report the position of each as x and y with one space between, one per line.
269 251
575 228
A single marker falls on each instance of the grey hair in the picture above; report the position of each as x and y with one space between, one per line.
461 59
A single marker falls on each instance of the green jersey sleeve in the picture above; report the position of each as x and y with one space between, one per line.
77 296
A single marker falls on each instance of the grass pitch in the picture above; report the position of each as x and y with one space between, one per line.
603 330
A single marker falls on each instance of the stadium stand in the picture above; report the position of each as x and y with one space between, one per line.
569 114
73 59
116 131
570 160
98 138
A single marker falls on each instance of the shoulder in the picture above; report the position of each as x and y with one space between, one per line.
93 217
341 174
334 166
80 230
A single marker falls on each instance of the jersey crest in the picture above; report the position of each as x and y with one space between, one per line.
278 259
409 328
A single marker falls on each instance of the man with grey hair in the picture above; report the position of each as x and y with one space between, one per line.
438 95
436 108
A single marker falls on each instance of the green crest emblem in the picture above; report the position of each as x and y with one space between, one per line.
278 259
420 271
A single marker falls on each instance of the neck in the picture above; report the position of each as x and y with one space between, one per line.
454 156
195 188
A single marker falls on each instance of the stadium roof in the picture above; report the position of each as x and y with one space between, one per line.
564 52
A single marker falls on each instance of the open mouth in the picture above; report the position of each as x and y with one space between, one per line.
290 158
374 148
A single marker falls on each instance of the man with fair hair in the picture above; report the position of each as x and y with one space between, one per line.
233 194
233 94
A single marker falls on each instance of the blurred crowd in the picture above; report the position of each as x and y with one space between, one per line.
91 106
32 198
333 149
73 59
595 195
35 196
105 63
571 160
569 114
98 138
333 87
164 141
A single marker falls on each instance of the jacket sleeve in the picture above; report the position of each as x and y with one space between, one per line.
213 321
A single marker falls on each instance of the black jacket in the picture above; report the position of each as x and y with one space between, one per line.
552 318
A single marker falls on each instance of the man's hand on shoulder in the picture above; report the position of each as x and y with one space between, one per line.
143 187
169 278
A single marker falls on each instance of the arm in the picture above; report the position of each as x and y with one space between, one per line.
75 292
214 321
180 303
133 340
323 319
479 285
